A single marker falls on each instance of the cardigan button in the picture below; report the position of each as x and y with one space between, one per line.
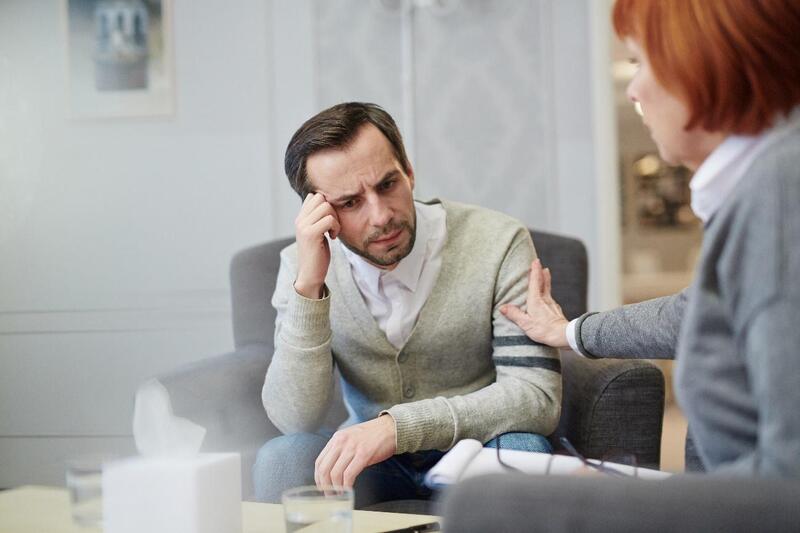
403 357
409 392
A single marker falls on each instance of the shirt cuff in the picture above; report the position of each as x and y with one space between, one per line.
571 336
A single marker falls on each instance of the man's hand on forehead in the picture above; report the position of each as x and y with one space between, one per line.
316 219
319 208
330 234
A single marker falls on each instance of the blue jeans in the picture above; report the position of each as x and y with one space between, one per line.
288 461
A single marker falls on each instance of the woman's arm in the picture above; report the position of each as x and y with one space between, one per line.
646 330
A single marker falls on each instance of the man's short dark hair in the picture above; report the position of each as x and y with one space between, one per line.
335 128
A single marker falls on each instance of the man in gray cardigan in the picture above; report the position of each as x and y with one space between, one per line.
403 297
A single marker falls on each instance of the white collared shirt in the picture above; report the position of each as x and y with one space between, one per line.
395 297
718 175
724 168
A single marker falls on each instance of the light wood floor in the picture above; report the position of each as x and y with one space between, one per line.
673 437
673 433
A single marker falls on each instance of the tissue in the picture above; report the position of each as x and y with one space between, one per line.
171 487
157 430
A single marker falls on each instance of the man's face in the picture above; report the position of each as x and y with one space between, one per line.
372 196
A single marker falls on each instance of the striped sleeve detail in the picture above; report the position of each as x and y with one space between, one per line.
514 340
546 363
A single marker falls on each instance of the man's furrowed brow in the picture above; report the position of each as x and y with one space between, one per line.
349 196
343 198
389 174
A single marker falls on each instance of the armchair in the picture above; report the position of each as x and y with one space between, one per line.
608 405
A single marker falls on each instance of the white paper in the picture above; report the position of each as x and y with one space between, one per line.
468 458
450 467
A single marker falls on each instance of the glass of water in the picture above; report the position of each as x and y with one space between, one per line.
310 509
85 485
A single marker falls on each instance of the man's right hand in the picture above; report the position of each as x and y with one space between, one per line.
316 217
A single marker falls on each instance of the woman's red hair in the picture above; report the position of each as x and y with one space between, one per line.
735 63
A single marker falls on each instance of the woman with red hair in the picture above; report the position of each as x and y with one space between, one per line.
718 83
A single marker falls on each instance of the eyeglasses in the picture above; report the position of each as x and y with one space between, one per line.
503 463
601 466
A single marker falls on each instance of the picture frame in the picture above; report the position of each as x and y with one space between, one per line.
120 58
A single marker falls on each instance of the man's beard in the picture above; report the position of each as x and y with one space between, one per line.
393 255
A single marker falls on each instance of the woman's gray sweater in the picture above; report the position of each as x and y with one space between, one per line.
736 331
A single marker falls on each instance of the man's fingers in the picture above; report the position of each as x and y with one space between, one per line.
322 476
313 212
356 466
317 213
311 201
322 454
327 223
338 469
351 450
317 464
325 461
334 231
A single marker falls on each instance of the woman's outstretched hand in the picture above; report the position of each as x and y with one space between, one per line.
543 320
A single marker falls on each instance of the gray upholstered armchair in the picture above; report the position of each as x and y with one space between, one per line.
608 405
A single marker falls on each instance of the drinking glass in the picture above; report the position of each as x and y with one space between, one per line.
312 509
85 485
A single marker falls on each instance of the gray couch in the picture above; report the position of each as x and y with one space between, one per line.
608 406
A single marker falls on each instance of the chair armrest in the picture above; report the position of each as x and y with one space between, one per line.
223 394
612 407
513 502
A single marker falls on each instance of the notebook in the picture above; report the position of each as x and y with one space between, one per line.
468 458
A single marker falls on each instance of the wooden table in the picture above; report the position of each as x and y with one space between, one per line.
46 510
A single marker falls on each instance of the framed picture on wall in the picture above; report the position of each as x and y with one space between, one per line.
119 58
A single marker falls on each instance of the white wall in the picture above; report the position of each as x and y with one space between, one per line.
115 235
586 147
513 106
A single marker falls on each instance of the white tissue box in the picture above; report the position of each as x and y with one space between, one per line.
193 494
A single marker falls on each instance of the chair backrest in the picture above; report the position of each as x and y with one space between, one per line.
253 274
566 257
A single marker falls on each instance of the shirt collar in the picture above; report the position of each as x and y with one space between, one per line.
719 174
408 271
724 168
